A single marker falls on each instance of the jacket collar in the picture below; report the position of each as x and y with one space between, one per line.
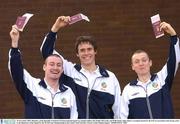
102 70
62 88
134 82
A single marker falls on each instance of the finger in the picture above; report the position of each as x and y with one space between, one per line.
163 26
14 27
162 23
66 19
62 18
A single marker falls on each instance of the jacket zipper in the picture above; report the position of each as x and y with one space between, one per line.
148 102
88 94
52 104
149 106
52 108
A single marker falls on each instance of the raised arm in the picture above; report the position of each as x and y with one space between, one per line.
15 64
48 44
21 78
169 70
14 34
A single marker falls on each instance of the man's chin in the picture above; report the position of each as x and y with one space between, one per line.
86 63
55 78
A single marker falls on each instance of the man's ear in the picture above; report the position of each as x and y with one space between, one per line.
132 67
77 54
44 67
96 52
150 62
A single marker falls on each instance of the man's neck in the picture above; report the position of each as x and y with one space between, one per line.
144 78
90 68
54 84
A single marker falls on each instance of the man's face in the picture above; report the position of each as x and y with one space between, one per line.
86 54
53 68
141 63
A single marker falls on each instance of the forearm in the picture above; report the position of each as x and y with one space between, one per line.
48 44
55 29
14 44
175 40
16 69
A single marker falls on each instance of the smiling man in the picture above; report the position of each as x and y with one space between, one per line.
97 90
47 98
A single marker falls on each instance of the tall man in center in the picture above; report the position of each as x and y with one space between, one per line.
97 90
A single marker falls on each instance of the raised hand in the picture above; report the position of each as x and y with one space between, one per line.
166 27
61 21
14 34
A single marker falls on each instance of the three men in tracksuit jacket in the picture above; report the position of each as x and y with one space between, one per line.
47 98
149 95
97 90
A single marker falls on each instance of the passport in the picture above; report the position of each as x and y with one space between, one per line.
21 21
77 18
155 20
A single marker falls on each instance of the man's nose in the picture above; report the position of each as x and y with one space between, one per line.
141 63
55 67
86 51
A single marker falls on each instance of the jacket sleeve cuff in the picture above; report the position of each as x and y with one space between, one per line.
174 39
53 34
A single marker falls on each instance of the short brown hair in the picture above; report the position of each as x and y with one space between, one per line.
140 51
55 55
85 39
